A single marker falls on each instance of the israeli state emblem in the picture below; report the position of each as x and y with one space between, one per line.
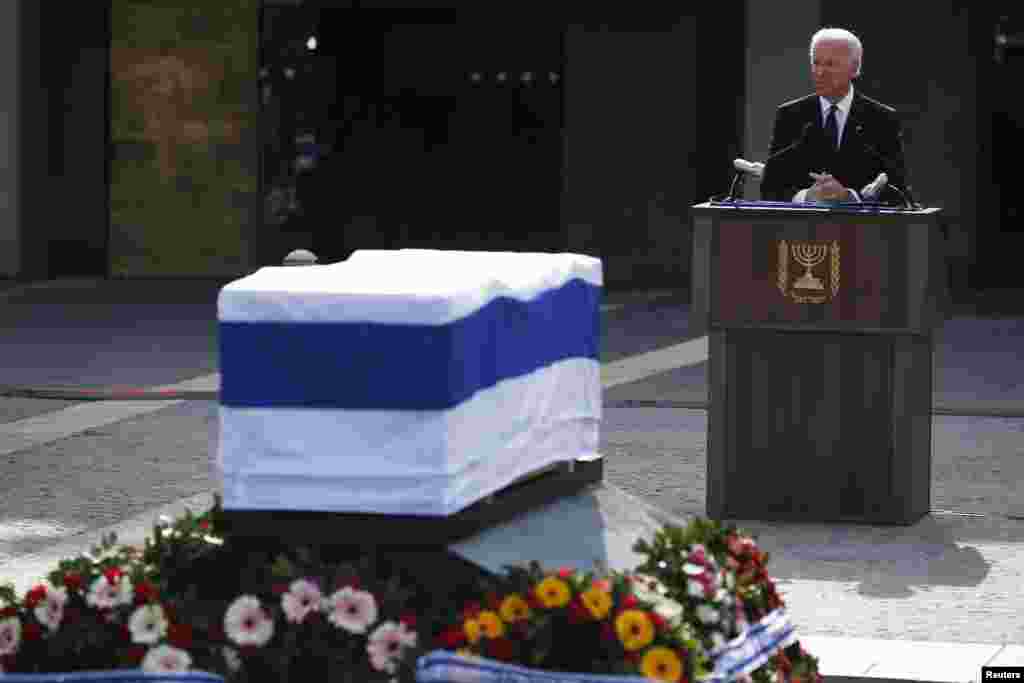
816 279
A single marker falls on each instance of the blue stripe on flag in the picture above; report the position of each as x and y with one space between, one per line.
372 366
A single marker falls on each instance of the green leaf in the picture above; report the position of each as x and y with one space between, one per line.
282 568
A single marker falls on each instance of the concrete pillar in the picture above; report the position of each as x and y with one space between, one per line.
778 68
10 209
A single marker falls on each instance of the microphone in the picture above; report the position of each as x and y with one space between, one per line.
804 134
872 189
754 168
888 165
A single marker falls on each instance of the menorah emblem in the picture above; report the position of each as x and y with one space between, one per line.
809 255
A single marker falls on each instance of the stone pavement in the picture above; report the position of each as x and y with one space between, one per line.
930 602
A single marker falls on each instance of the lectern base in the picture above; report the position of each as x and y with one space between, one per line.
820 427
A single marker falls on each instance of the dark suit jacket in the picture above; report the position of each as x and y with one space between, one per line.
869 123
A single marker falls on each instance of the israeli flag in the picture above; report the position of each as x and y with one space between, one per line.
406 381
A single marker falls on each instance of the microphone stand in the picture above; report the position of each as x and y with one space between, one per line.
732 188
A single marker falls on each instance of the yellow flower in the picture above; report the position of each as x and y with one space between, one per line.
634 629
598 601
553 592
661 664
472 630
490 624
514 608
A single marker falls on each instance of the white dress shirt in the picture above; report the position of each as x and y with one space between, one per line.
842 113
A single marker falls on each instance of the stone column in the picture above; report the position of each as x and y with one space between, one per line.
10 210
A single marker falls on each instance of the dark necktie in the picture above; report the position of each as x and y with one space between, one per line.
832 128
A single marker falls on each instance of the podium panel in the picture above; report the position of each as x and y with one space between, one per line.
820 327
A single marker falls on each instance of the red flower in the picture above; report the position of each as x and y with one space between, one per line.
629 602
136 653
409 619
566 572
578 612
279 588
246 651
471 610
501 649
453 638
125 632
113 575
351 582
144 592
73 581
659 621
32 631
180 635
493 601
8 612
607 631
35 596
204 525
520 629
533 602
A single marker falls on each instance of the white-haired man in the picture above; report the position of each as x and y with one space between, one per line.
838 140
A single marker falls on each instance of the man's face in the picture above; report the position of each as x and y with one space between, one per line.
832 68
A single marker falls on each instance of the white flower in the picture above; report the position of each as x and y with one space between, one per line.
10 635
695 589
148 624
302 598
165 658
232 659
649 583
669 610
648 588
350 609
708 614
246 623
717 640
213 540
50 611
693 569
105 595
385 645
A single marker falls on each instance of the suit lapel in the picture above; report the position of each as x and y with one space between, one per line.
814 112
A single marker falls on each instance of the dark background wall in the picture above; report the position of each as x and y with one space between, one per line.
937 82
653 107
63 103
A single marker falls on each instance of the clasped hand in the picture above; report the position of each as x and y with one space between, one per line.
826 189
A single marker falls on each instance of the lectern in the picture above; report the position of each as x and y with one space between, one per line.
820 324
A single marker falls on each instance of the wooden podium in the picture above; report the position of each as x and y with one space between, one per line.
820 326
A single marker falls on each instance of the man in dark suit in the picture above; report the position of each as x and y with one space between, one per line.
840 140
